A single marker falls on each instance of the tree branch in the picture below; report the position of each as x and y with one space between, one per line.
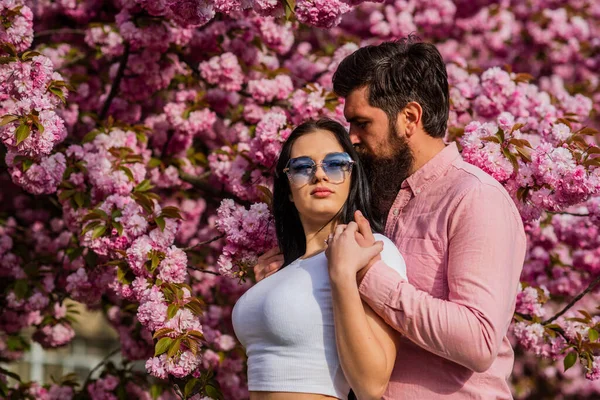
114 89
89 377
205 242
568 213
206 271
65 31
590 287
213 192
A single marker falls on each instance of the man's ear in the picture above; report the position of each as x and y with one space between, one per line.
412 118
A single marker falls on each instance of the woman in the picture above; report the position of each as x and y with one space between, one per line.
287 322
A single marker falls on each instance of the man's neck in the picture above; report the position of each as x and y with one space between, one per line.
425 150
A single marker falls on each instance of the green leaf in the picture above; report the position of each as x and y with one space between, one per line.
154 162
37 123
27 163
171 212
90 226
174 348
17 343
162 345
22 133
156 391
92 215
265 194
127 172
593 150
143 186
90 136
21 288
7 119
569 360
588 131
160 221
523 77
553 326
494 139
123 276
65 194
9 373
189 387
194 308
593 335
162 332
155 261
585 314
512 158
196 334
121 392
9 48
524 153
58 93
213 392
79 199
7 60
172 311
119 227
28 55
595 162
91 258
74 253
144 201
98 231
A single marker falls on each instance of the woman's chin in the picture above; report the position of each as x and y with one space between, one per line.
322 215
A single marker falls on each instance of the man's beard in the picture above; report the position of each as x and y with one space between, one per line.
386 174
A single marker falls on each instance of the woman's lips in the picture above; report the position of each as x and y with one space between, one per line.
321 192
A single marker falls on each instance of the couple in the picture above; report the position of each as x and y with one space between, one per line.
338 310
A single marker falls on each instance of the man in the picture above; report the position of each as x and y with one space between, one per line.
457 228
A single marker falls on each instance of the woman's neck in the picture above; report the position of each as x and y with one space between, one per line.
316 237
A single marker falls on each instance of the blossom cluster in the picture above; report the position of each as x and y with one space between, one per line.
247 234
31 128
174 106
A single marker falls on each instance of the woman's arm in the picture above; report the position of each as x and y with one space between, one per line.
366 344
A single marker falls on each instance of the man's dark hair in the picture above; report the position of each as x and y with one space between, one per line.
396 73
288 227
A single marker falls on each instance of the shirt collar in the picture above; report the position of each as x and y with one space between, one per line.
432 170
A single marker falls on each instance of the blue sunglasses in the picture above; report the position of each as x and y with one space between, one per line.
301 170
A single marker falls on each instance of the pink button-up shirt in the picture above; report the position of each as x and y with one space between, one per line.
464 245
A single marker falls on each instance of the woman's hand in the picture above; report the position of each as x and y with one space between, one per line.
268 264
345 255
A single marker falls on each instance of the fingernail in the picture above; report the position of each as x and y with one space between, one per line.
359 213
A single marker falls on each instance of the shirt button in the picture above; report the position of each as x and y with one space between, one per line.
396 212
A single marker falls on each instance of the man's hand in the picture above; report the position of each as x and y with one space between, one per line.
365 238
345 256
268 264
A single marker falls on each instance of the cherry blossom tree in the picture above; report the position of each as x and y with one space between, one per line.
139 139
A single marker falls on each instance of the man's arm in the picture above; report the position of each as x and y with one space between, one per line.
485 257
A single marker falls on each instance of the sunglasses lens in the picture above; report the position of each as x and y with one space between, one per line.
336 166
301 170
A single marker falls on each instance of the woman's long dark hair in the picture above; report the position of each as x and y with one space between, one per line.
290 233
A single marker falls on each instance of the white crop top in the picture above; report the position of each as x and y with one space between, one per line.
285 322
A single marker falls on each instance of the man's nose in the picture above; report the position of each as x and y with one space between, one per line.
354 137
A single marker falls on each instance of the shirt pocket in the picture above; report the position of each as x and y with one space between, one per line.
426 264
